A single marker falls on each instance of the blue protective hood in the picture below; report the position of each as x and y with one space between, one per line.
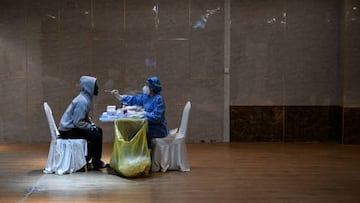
154 84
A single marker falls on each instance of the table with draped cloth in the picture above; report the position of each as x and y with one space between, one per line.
130 156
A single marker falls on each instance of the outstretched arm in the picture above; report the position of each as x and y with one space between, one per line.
116 94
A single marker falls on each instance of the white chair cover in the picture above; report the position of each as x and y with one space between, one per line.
65 155
169 153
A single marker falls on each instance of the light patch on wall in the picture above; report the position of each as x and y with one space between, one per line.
51 16
150 62
201 23
284 18
156 15
273 20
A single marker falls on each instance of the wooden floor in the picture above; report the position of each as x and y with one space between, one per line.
236 172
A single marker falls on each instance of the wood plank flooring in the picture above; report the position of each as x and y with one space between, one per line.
220 172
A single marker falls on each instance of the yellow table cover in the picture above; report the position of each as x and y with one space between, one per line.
130 156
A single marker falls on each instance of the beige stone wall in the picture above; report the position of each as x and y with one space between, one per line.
281 53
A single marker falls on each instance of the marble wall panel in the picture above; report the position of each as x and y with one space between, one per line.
36 122
287 124
75 57
258 52
351 55
13 108
108 64
205 123
171 19
174 72
42 45
34 74
351 125
43 19
256 123
13 59
54 81
13 19
207 110
139 19
65 44
313 124
41 27
312 37
75 19
173 66
283 53
108 19
140 63
37 128
207 68
42 30
207 15
13 83
12 39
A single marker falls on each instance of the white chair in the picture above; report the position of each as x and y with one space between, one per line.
169 153
65 155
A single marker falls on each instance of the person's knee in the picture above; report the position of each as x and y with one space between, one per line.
99 130
95 136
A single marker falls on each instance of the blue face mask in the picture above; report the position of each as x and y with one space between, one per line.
146 90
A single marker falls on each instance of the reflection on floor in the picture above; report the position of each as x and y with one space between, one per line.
236 172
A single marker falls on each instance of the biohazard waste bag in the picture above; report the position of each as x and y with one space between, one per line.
130 156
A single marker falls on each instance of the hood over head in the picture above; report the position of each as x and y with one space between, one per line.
87 84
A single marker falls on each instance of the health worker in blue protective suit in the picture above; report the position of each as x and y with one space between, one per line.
154 106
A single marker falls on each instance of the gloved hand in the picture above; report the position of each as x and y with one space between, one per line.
116 94
114 91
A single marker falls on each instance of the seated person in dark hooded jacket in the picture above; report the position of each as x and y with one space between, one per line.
76 123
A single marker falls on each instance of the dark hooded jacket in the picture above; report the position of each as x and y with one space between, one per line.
77 113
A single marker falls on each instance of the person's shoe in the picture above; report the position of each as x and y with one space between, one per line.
100 165
85 168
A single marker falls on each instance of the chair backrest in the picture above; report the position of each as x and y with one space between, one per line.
185 119
53 129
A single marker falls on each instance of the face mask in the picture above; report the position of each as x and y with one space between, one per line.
146 90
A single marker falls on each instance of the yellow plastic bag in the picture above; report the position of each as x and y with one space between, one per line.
130 156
